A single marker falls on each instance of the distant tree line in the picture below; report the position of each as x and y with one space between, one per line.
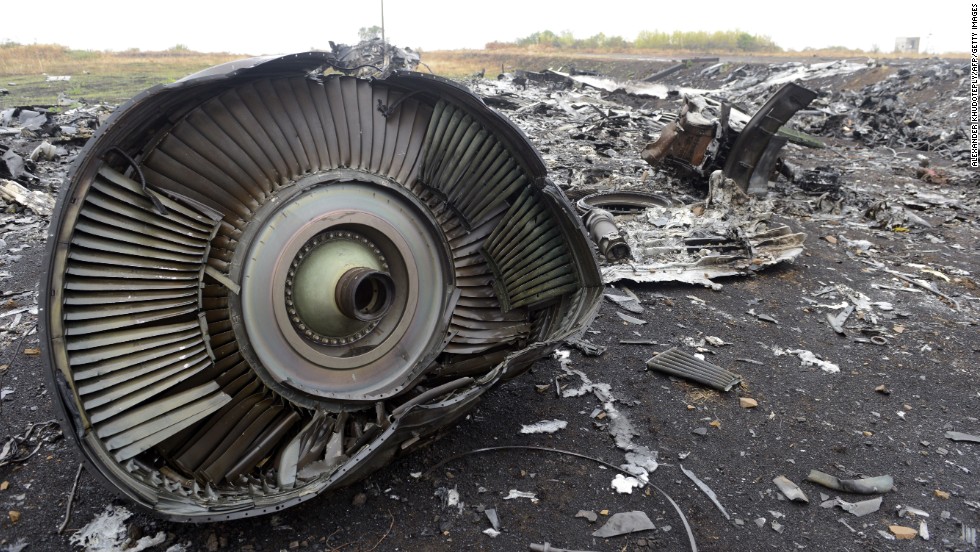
696 41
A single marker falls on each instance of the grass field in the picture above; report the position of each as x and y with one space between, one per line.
114 77
95 76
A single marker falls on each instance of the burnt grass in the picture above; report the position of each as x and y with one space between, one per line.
806 419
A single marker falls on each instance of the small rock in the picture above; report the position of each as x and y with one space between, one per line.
4 486
903 533
831 240
883 390
715 424
211 545
746 402
14 516
701 431
587 514
941 494
760 522
294 545
359 500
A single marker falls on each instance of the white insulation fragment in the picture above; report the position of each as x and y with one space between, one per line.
807 358
544 426
514 493
107 533
625 485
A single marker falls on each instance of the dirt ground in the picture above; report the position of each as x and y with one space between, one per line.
908 368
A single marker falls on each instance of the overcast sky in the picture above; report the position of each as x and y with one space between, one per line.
285 26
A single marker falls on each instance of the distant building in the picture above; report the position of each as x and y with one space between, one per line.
907 45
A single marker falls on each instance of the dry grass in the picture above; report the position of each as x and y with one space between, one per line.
95 75
700 395
463 63
17 59
117 76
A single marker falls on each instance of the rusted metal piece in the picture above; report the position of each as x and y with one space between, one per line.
685 142
265 282
702 139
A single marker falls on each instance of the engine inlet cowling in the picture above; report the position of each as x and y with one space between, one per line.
265 281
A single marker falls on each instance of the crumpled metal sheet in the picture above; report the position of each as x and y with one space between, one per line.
729 235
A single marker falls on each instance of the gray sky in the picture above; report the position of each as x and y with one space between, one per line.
285 26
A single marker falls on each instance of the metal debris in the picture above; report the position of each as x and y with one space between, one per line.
698 244
624 523
791 490
858 509
753 156
22 447
869 485
631 319
491 514
39 202
959 436
586 347
837 321
178 371
691 141
706 490
606 235
968 535
18 546
906 511
546 547
625 302
684 365
374 57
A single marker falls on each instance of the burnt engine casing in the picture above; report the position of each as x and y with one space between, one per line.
269 279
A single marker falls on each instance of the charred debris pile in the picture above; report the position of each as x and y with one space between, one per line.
700 180
671 183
